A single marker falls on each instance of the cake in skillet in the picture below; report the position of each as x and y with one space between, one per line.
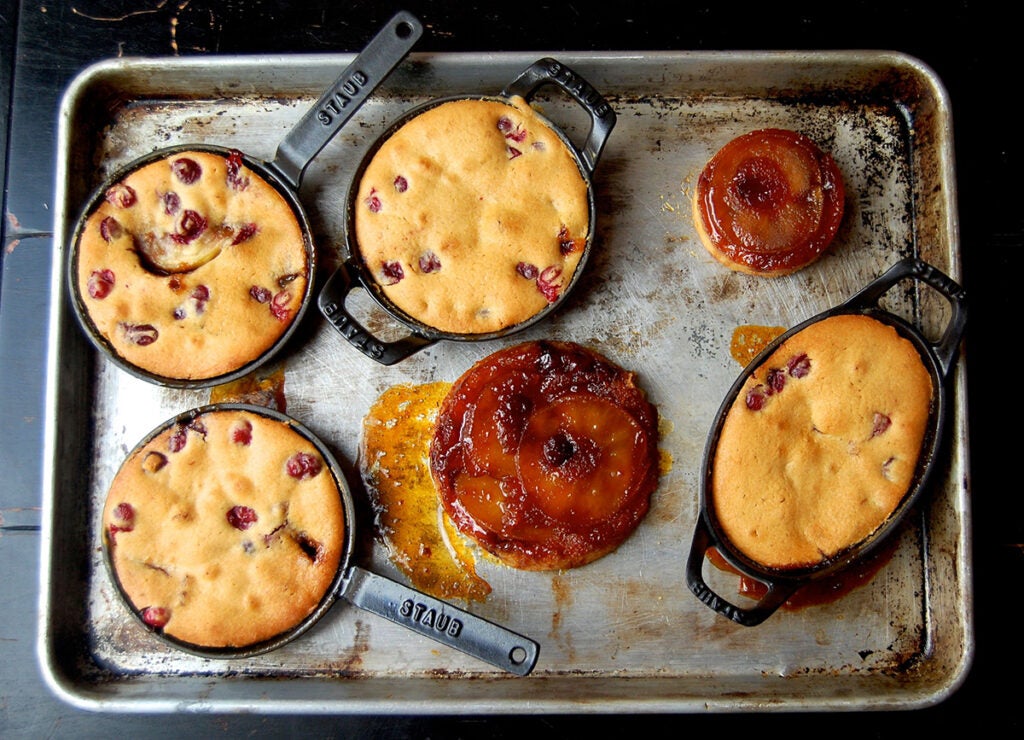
473 216
225 528
192 266
822 443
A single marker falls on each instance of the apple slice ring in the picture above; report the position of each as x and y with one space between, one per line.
576 459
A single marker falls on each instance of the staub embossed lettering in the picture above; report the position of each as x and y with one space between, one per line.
429 617
587 94
342 97
717 603
352 332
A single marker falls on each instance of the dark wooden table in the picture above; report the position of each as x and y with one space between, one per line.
971 46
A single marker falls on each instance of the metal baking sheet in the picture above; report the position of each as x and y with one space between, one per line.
624 634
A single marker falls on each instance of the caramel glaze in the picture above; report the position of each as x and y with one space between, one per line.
769 202
392 458
546 454
749 339
818 592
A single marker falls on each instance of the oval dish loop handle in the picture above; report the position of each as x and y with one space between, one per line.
912 267
331 302
551 71
948 346
775 597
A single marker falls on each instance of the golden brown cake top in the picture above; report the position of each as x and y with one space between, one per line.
226 530
546 455
473 216
822 443
192 267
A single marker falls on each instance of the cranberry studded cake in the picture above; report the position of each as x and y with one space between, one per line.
192 267
473 216
225 529
546 455
822 443
768 203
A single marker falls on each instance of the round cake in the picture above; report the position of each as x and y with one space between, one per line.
768 203
822 443
225 528
546 455
191 267
473 216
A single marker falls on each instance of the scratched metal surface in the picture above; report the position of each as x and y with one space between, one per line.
623 634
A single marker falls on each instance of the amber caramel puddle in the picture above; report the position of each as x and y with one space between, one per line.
749 339
814 593
394 463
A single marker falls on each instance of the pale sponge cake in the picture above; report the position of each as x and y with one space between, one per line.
225 528
822 442
192 266
473 216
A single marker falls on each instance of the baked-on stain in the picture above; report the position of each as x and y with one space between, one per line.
260 388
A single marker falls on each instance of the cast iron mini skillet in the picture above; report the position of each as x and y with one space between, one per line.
377 594
294 153
353 272
938 358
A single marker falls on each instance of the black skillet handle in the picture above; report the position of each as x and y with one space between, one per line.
551 71
441 621
914 268
778 591
332 305
342 99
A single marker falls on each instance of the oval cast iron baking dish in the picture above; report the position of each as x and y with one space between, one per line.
938 359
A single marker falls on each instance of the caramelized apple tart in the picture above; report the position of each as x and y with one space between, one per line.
546 455
769 202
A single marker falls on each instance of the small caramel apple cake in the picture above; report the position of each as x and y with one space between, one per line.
192 266
473 216
769 202
225 528
546 455
822 442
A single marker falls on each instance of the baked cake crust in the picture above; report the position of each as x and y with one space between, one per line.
192 267
473 216
546 455
226 530
822 442
768 203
